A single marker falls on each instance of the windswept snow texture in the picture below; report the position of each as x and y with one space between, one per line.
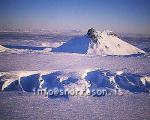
25 106
111 83
98 43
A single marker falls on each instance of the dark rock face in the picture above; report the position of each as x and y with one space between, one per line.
92 34
91 31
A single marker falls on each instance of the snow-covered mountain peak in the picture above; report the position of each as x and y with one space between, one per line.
98 43
109 43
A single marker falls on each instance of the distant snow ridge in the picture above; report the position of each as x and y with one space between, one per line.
98 43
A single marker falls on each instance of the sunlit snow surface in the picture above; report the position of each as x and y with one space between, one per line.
26 70
82 63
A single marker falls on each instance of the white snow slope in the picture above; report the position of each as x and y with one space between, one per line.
99 43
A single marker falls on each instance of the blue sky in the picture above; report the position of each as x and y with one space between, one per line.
132 16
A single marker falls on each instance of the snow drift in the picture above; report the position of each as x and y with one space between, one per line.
99 43
112 83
